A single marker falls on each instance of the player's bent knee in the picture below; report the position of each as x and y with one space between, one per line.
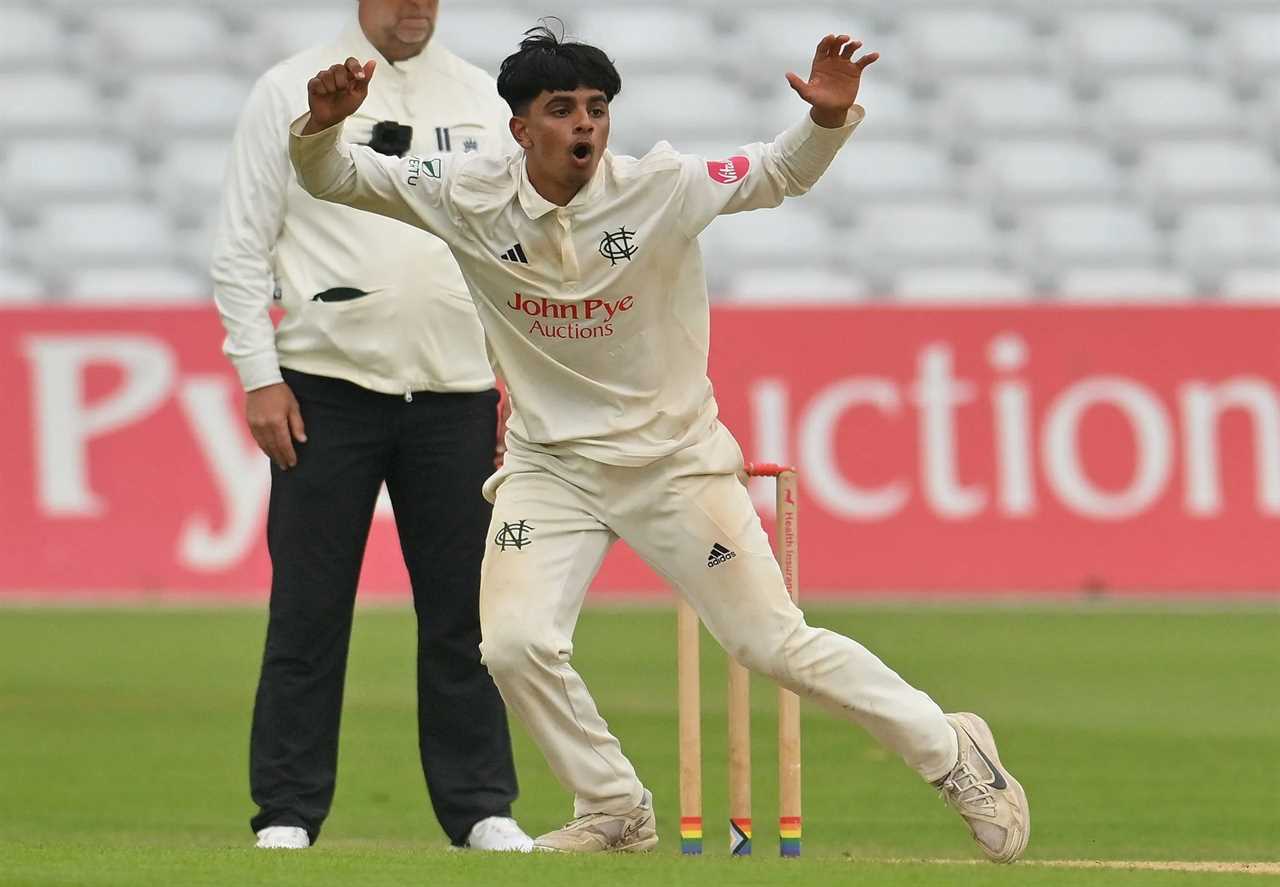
510 652
767 651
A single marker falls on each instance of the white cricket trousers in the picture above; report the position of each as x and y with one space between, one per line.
554 519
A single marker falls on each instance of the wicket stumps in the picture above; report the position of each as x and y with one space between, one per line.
739 709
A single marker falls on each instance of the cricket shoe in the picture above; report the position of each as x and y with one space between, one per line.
632 832
283 837
984 793
500 833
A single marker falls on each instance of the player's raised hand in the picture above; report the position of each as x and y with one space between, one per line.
336 92
832 87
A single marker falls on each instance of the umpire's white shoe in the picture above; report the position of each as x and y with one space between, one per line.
499 833
985 794
283 837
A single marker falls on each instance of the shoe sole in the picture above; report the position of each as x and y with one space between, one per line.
981 733
641 846
635 847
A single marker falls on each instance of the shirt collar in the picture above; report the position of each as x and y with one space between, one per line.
536 206
355 41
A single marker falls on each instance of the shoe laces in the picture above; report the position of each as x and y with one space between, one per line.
609 827
965 790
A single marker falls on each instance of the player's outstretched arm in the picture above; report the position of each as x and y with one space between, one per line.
411 189
833 82
336 93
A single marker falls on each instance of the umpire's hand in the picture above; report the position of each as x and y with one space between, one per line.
275 422
335 93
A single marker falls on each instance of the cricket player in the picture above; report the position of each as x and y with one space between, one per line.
585 270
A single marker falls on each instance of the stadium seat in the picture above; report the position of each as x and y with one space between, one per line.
188 179
892 113
1249 45
1028 170
195 244
35 172
970 285
776 40
147 285
707 108
40 103
792 234
18 288
1122 285
1097 44
991 105
30 37
1178 172
276 33
793 286
483 36
1058 237
69 235
943 42
885 170
901 236
1136 109
164 102
122 40
647 38
1252 285
1215 238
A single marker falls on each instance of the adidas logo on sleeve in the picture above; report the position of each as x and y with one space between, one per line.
719 554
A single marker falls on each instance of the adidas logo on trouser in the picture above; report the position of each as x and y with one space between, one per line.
719 554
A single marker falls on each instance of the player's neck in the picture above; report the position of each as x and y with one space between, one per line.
551 188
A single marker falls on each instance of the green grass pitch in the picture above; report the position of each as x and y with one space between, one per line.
1141 733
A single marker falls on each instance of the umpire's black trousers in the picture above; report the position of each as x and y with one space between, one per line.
434 452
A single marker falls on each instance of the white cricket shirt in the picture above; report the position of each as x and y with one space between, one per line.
416 329
597 311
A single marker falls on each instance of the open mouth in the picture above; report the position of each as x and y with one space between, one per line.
582 150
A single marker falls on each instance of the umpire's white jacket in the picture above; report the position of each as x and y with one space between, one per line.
415 328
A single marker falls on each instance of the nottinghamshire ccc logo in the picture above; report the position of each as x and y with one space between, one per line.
618 245
513 536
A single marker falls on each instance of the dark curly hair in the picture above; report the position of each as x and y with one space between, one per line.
546 62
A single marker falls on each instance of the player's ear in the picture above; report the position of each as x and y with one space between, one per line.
520 132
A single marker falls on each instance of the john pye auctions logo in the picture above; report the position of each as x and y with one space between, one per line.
584 319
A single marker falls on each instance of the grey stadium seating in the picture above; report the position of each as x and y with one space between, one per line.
1100 150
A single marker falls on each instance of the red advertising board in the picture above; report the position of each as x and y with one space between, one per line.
1034 449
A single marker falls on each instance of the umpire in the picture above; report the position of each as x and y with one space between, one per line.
377 373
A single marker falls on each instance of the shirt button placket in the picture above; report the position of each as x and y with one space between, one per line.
568 258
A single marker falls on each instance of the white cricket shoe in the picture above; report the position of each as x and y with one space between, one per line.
500 833
632 832
283 837
979 788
